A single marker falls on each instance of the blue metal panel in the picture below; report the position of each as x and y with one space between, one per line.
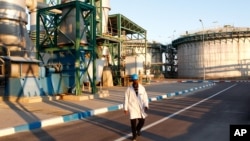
20 87
30 86
46 86
13 87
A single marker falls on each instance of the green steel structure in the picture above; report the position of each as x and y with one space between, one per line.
48 43
123 34
120 23
127 36
119 27
52 2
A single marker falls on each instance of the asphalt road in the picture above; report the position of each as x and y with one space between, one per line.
201 116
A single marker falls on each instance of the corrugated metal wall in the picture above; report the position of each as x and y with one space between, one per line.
222 58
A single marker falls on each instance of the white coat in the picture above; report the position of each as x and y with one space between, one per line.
136 104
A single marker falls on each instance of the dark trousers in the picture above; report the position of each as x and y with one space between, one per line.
136 128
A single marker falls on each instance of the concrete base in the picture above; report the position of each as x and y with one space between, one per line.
29 99
77 97
100 94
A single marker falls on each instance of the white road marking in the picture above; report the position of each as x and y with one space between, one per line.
176 113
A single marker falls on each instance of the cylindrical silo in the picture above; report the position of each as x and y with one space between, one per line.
33 6
67 31
13 20
103 8
214 54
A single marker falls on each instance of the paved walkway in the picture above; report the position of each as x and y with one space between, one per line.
17 117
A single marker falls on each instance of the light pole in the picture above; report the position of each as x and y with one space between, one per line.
204 70
173 35
215 24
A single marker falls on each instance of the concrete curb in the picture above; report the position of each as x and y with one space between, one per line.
203 81
86 114
168 95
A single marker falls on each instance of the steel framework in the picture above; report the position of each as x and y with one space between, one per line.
128 35
47 39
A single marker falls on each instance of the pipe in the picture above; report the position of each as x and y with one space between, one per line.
33 5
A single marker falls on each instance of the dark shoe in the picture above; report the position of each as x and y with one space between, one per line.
138 133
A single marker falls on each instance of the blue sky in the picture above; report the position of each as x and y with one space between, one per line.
168 19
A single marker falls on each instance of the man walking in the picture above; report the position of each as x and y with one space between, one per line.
136 103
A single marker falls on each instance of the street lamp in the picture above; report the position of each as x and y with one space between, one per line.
204 77
215 24
173 35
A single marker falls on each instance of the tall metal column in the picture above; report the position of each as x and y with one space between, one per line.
77 49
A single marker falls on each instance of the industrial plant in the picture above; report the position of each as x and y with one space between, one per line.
71 47
76 47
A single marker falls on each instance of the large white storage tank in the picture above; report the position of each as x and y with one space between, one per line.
217 54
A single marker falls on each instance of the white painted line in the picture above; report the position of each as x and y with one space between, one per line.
120 106
7 131
172 94
52 121
176 113
153 99
164 96
99 111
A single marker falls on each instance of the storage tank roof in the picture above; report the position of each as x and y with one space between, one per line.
225 28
